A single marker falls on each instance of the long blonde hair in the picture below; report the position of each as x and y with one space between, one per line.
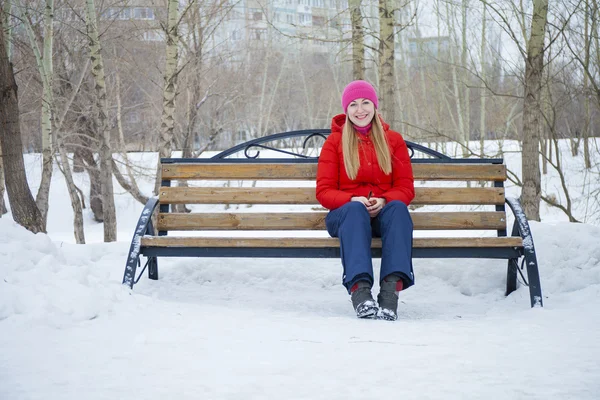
350 147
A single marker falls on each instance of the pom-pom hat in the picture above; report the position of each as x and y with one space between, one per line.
358 90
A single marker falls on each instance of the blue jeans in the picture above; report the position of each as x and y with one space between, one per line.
353 225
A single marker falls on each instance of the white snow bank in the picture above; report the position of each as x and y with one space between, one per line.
56 283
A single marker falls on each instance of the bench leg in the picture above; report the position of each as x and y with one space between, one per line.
511 276
153 268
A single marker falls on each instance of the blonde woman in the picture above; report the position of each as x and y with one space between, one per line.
365 179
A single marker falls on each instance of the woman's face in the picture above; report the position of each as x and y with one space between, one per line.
361 112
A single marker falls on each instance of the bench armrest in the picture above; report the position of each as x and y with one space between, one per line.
143 227
521 228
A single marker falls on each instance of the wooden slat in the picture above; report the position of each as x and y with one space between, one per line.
171 241
442 172
459 172
289 195
316 220
240 171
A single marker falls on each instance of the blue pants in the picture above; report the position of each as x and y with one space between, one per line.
355 228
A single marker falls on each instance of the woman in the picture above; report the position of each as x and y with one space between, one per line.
365 179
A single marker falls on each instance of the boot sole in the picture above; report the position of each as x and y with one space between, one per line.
386 316
368 314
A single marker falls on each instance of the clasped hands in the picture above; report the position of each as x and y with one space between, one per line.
374 204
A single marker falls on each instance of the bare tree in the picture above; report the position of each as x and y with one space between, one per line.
24 210
532 112
358 40
167 124
106 160
387 68
3 209
44 61
8 45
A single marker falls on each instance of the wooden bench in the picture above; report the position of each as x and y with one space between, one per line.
290 184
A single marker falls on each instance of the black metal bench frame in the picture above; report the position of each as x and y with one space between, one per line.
521 228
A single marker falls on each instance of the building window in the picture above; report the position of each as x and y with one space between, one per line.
125 13
235 35
318 21
304 18
257 16
143 13
154 36
110 13
412 47
258 34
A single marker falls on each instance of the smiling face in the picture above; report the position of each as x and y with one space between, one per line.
361 112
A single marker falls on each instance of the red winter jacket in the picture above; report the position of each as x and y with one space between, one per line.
335 188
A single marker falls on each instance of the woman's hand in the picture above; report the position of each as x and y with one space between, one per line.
374 204
362 199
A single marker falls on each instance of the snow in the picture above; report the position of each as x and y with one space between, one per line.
280 328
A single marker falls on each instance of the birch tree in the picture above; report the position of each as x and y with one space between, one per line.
532 112
387 60
3 209
589 62
8 46
45 66
358 40
482 93
106 160
23 208
167 123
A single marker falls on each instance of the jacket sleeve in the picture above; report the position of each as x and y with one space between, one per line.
328 175
403 182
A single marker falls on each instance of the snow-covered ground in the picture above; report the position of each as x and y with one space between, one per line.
285 329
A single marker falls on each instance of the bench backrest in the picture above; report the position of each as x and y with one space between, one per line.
211 191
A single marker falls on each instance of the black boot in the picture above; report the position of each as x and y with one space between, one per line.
388 297
363 301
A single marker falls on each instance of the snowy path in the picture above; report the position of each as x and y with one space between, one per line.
270 329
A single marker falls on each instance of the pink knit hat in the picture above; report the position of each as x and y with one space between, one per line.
358 90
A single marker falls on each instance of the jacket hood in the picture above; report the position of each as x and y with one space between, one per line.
338 122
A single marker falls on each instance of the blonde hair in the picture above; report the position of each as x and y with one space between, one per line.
350 147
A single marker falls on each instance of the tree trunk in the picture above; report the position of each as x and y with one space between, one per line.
3 209
466 98
532 112
455 84
24 210
6 25
170 87
587 56
73 194
386 62
95 183
482 94
358 40
7 29
106 160
47 73
44 63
